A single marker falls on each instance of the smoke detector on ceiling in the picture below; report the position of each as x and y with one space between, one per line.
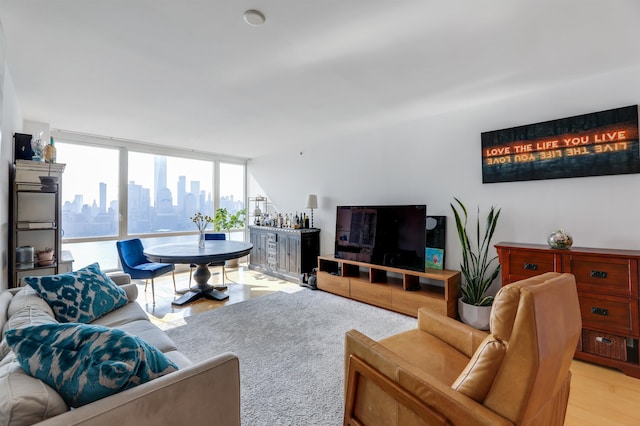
253 17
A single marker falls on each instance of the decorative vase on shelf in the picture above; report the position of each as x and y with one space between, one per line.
201 239
560 240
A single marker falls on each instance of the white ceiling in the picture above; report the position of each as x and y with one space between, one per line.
192 73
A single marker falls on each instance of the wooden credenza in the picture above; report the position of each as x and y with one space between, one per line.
607 281
398 290
284 253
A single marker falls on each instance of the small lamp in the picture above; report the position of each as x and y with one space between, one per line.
312 203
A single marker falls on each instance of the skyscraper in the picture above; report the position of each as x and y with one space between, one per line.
102 207
159 175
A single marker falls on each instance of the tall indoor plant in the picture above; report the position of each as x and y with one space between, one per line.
225 221
477 267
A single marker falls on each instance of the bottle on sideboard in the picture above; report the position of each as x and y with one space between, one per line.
50 152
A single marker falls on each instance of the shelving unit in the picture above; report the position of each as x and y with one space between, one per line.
259 206
391 288
35 218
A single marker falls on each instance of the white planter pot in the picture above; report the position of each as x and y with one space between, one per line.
475 316
232 263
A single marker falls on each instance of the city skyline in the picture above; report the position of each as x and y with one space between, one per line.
163 192
100 218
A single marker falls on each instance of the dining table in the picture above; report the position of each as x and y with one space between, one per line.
214 252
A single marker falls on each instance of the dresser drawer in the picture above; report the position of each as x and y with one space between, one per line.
607 313
523 265
604 344
608 276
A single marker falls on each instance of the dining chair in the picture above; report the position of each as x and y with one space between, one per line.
219 236
138 266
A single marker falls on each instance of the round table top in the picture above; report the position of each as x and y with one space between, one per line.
213 251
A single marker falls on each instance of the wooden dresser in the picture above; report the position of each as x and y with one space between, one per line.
607 281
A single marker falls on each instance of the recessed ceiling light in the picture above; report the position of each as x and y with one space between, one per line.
253 17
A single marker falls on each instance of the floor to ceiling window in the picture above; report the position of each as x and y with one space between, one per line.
89 193
232 191
164 192
115 190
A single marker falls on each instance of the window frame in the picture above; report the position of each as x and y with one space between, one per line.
124 146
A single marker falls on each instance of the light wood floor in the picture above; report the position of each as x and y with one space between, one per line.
242 284
599 396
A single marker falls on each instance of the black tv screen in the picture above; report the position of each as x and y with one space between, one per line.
382 235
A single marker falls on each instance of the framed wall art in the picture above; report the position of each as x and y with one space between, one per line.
595 144
436 227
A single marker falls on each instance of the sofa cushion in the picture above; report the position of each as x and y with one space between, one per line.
441 361
150 333
178 359
27 296
27 316
130 312
477 377
25 400
79 296
5 301
86 362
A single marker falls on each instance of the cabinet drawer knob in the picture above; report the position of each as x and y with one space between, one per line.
531 266
599 311
598 274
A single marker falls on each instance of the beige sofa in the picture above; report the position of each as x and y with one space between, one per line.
205 393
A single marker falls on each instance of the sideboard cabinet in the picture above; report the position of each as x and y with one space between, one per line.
607 282
282 252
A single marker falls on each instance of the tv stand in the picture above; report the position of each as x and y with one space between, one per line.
398 290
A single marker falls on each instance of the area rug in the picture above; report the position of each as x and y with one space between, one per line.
290 347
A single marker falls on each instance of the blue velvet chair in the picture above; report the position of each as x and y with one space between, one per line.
138 266
211 236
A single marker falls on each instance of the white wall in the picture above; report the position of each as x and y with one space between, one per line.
433 159
11 123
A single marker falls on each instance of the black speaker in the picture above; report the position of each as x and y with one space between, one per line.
436 239
23 149
436 231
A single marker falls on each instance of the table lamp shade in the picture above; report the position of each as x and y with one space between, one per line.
312 201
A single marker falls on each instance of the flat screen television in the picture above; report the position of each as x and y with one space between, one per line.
382 235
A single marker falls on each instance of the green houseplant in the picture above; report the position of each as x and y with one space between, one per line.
225 221
478 269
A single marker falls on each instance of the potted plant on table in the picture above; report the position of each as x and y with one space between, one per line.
478 269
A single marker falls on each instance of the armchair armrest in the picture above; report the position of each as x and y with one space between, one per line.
204 393
464 338
398 380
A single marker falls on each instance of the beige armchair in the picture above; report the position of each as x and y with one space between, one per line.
445 372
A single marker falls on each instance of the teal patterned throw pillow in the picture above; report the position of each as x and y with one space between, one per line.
80 296
84 363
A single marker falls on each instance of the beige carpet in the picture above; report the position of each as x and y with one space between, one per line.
290 347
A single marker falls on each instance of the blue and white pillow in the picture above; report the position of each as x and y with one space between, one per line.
80 296
83 362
